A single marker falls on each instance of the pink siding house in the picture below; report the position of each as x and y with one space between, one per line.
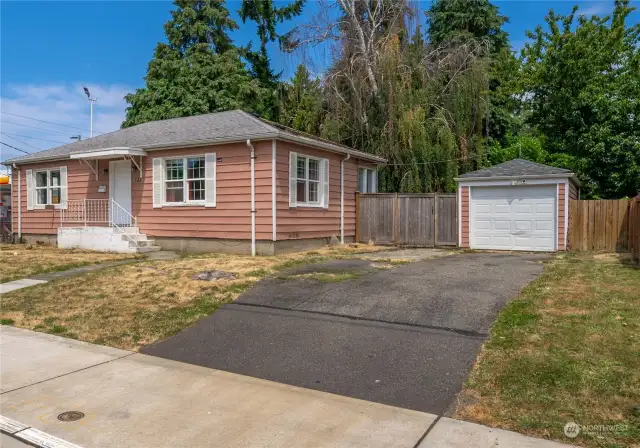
226 182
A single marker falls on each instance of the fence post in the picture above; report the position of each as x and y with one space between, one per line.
396 216
634 229
435 219
357 217
84 211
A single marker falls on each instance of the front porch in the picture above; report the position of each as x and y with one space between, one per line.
105 224
101 225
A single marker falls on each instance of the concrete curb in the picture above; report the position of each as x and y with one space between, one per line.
32 436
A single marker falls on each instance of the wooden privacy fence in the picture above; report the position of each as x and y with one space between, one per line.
407 219
601 225
634 229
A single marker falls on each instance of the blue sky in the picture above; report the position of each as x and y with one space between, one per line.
49 50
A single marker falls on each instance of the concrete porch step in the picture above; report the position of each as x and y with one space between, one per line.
112 239
145 249
142 243
134 236
127 229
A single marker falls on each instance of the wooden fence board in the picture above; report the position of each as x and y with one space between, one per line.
446 228
634 229
376 218
407 219
599 225
416 221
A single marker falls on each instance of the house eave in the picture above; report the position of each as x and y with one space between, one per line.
571 176
107 153
237 139
333 148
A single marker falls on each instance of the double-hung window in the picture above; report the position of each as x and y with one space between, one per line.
308 181
48 187
367 180
184 180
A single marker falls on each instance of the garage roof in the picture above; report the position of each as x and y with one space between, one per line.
516 168
198 130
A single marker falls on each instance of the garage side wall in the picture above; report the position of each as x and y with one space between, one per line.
464 216
562 216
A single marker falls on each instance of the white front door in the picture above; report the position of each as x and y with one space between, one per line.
513 218
120 187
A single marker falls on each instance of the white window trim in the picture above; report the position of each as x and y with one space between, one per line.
49 187
366 179
185 185
305 203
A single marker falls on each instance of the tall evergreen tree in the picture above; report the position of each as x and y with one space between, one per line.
197 71
301 107
459 21
266 16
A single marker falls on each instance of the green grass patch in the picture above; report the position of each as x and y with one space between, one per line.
7 321
568 349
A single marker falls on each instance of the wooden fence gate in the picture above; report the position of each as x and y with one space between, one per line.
407 219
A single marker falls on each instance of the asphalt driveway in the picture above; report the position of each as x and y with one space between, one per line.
405 336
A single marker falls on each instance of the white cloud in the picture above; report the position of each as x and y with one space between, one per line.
60 104
597 9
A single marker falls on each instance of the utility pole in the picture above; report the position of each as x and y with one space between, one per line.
91 101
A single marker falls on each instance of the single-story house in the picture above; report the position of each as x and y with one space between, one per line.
516 205
227 182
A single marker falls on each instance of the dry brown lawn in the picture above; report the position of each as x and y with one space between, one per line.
131 305
568 349
24 260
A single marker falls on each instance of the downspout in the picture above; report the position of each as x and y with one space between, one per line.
253 197
19 202
342 197
273 191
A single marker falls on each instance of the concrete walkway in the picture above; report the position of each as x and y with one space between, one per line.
44 278
134 400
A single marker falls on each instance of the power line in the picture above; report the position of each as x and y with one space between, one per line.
50 122
35 138
436 161
35 127
24 143
13 147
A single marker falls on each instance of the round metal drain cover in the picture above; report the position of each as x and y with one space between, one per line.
70 416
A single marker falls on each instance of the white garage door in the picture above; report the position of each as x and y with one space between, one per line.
513 218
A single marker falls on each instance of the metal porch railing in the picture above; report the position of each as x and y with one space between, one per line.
87 212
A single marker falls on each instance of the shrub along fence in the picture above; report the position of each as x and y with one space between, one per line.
612 225
407 219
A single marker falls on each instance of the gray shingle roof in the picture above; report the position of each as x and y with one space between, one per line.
234 125
514 168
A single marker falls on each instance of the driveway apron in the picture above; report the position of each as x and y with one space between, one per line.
405 336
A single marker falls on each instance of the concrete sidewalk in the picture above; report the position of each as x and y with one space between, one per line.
134 400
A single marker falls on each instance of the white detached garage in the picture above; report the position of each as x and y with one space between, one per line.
516 205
